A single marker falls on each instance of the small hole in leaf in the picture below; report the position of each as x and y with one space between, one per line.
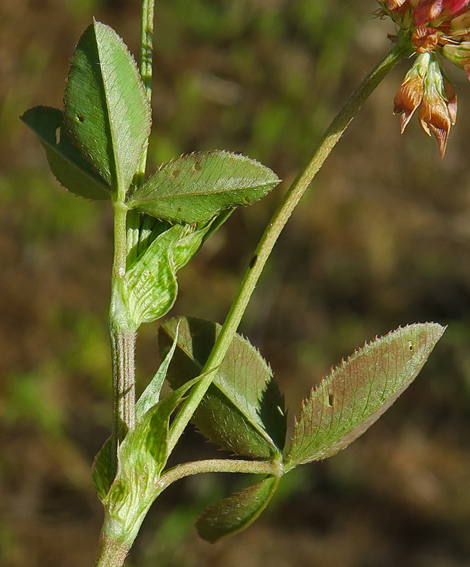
331 400
197 167
410 346
57 135
174 174
80 118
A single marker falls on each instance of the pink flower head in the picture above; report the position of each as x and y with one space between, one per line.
427 11
431 27
425 87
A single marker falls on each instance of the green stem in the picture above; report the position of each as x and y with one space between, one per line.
217 465
277 223
123 337
123 345
111 553
146 54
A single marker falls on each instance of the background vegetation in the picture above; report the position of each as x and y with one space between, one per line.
382 240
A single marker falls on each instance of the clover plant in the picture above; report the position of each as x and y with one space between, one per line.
96 147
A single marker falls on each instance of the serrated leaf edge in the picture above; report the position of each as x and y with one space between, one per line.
237 156
258 427
357 352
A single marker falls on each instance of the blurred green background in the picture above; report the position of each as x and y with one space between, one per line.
381 240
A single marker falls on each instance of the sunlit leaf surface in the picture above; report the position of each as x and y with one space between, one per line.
243 410
195 187
106 108
359 391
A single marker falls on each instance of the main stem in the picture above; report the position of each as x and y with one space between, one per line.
277 223
146 54
123 336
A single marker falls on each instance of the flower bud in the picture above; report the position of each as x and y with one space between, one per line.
394 4
460 25
427 10
411 92
459 55
434 114
431 27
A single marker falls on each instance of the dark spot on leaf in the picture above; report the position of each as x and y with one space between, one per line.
196 167
174 174
410 346
80 118
246 200
331 400
253 261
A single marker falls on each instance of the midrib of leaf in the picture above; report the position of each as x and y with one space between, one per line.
203 192
111 123
221 186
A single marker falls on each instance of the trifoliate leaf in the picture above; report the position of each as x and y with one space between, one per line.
359 391
194 188
243 410
68 165
237 512
106 109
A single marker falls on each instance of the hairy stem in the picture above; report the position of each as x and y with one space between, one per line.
123 337
218 465
123 345
277 223
111 553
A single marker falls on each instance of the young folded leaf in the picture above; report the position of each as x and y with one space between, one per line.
150 287
194 188
106 109
243 410
237 512
68 165
359 391
142 456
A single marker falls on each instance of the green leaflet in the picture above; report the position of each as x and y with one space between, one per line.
243 410
195 187
359 391
237 512
66 162
106 109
